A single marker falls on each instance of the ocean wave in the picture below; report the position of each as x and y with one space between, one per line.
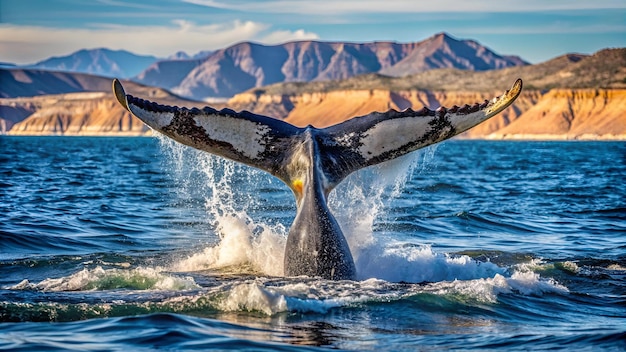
100 279
149 290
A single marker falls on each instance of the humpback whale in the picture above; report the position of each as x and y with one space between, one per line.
312 161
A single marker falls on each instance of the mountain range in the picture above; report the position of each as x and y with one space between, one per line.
226 72
604 69
24 82
247 65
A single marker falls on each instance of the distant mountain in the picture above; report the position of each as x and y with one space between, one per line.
202 54
604 69
573 96
243 66
443 51
167 73
25 83
104 62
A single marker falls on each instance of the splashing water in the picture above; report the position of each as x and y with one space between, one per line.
359 201
243 240
229 189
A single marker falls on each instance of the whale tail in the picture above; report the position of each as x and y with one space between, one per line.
267 143
312 161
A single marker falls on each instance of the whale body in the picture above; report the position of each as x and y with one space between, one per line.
312 161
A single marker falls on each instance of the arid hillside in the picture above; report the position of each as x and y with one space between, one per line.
571 114
79 114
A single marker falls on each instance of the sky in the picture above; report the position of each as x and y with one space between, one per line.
536 30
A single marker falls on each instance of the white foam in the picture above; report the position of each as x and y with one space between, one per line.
254 297
357 203
420 264
317 296
243 241
320 296
271 296
99 278
526 281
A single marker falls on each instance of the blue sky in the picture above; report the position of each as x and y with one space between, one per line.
536 30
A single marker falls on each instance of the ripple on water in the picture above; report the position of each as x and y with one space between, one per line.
480 246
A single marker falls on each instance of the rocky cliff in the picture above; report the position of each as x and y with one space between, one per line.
571 114
570 97
78 114
556 115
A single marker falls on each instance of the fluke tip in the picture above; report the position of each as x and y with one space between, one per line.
119 93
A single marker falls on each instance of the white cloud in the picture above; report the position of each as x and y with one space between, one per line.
333 7
27 44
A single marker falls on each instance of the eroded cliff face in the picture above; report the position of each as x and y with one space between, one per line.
79 114
556 114
571 114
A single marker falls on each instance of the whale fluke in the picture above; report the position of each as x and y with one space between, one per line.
245 137
312 161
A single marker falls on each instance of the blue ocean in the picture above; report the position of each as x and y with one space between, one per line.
138 244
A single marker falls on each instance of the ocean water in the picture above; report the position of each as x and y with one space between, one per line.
139 244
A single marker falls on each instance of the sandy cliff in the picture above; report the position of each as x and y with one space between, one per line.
556 114
81 114
78 114
571 114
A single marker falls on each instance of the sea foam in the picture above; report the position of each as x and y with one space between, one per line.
98 279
